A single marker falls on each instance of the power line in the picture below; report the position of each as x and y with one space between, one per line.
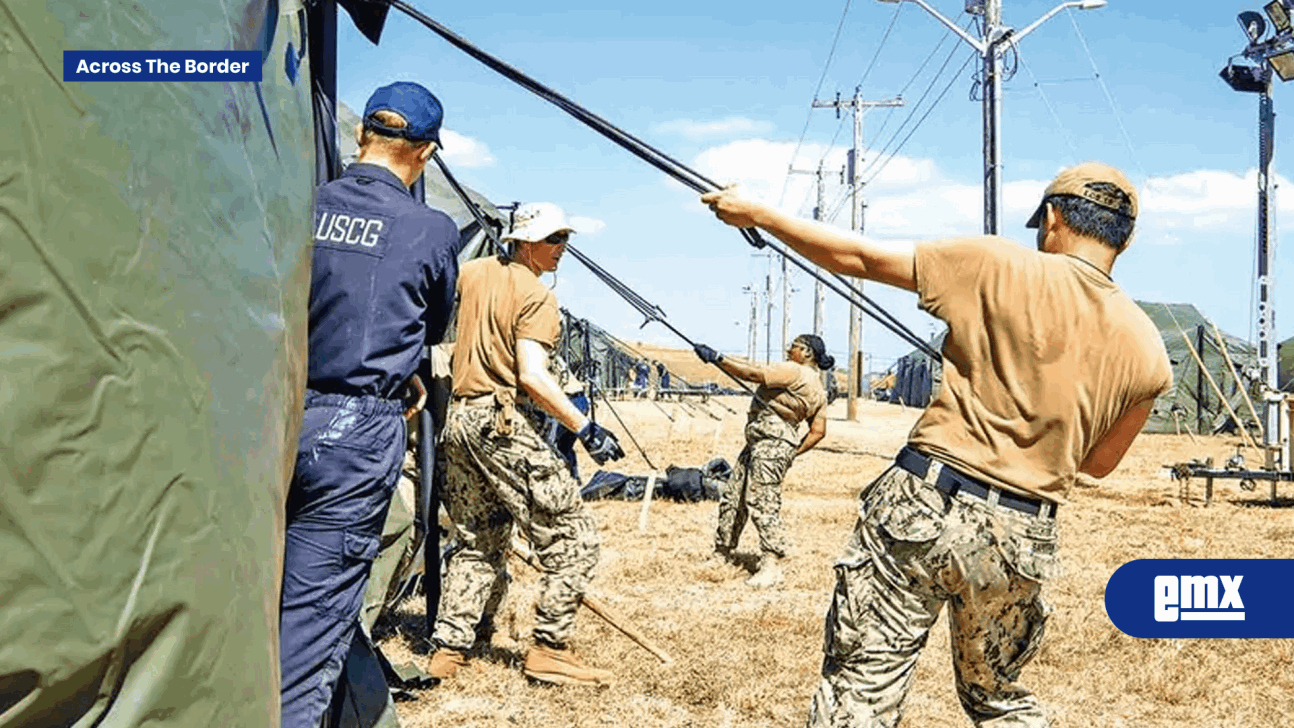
893 19
1073 153
1109 98
831 54
915 108
884 37
923 117
947 34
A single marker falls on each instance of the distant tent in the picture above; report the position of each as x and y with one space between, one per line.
1191 404
916 375
601 359
1285 364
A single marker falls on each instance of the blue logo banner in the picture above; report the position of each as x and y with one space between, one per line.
1184 598
162 65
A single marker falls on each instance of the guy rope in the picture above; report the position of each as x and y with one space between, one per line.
687 176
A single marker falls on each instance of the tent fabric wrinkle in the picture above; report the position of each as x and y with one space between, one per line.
154 253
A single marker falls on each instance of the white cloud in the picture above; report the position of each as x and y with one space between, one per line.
732 126
913 198
464 151
586 225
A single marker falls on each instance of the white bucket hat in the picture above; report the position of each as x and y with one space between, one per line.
535 221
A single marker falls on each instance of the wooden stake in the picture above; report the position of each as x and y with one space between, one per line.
647 495
1222 344
595 605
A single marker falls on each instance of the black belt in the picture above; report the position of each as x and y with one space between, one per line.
950 481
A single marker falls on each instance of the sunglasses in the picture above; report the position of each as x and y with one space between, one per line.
557 238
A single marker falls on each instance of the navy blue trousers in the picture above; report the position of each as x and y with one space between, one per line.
348 463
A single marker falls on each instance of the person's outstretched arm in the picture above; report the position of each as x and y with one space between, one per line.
892 263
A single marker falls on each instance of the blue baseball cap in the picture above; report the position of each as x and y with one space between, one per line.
412 101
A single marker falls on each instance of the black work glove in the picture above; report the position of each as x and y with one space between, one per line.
600 443
706 354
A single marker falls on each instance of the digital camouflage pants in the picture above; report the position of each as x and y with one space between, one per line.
492 481
755 488
912 550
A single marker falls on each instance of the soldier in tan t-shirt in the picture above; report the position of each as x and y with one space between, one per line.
789 393
499 468
1050 370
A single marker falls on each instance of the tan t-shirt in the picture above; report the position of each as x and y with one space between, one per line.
1044 353
499 302
794 391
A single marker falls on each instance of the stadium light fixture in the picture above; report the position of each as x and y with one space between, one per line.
1244 77
1253 25
1279 14
1283 64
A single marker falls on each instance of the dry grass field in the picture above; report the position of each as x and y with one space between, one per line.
744 657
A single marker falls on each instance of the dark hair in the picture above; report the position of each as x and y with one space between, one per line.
815 346
1096 221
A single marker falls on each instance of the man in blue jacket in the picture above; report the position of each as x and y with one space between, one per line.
382 287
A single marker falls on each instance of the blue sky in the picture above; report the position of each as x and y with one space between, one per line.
726 87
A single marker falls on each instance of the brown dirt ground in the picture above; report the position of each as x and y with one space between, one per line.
744 657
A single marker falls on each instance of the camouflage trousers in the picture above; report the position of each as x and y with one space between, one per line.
755 488
912 550
492 481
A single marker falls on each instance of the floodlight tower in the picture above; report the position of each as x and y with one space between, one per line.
1268 54
997 40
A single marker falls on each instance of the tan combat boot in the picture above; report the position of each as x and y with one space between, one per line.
769 574
445 662
718 559
562 667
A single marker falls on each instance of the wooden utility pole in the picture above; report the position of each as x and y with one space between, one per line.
768 315
858 106
786 306
819 290
750 328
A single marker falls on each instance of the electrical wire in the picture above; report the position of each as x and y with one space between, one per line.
818 89
915 108
929 57
1108 97
1073 152
929 109
661 161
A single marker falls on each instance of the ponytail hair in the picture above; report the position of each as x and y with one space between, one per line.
816 347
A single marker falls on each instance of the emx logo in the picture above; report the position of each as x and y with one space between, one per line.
1202 598
1196 598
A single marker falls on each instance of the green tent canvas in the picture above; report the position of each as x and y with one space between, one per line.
154 259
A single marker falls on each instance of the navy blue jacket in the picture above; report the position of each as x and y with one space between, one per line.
382 285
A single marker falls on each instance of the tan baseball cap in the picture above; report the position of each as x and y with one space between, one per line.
1082 180
535 221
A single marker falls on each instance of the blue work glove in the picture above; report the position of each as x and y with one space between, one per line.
600 443
706 354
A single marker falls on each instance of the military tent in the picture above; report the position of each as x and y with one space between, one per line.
154 253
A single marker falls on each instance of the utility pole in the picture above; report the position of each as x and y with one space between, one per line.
996 41
819 290
786 306
768 315
853 164
750 328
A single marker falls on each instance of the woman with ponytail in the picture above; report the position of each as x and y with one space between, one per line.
789 393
